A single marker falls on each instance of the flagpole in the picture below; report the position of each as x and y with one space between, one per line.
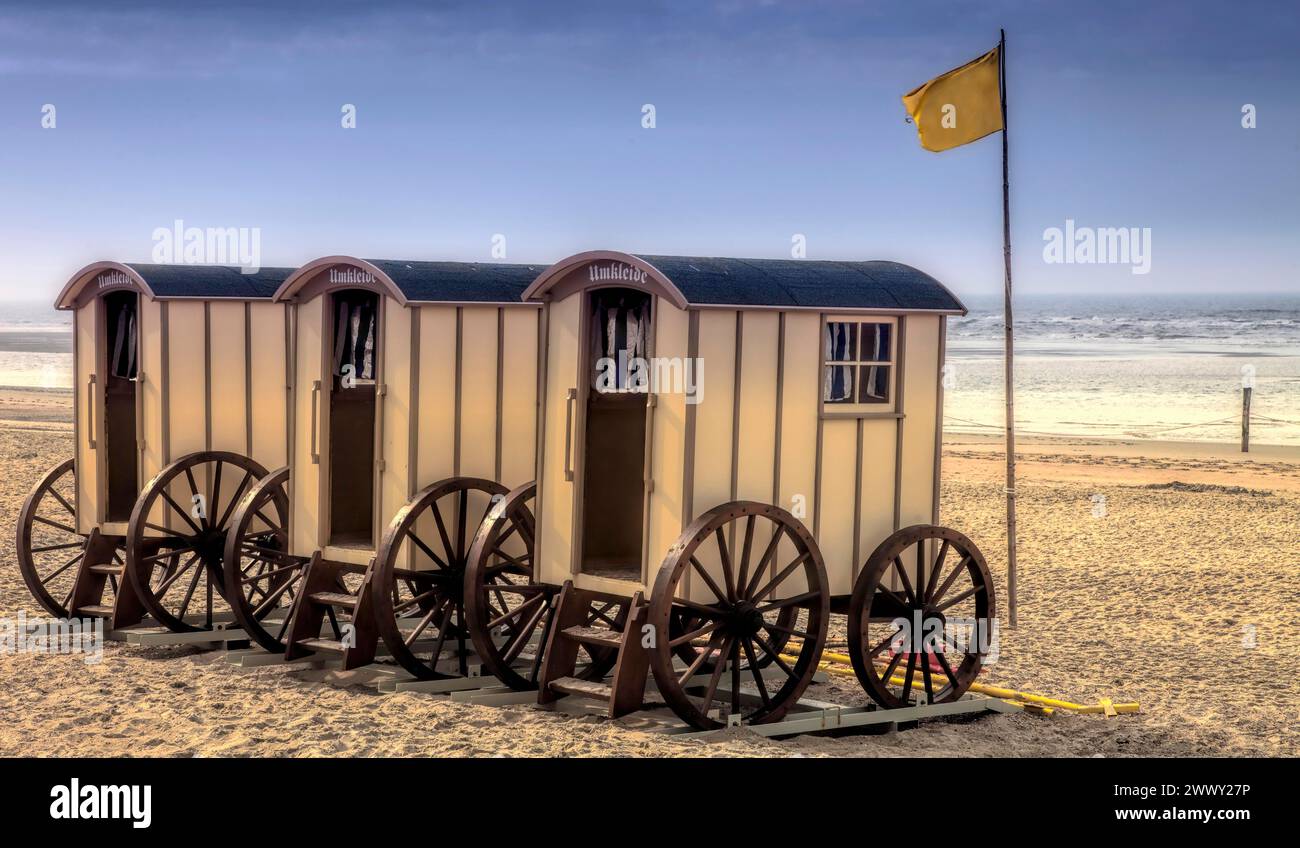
1010 343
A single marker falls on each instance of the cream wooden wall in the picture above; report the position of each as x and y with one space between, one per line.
920 396
152 405
667 441
393 414
423 441
519 360
228 373
269 382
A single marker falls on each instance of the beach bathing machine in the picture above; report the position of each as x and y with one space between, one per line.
578 477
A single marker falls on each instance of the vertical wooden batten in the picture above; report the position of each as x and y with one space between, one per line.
207 375
688 475
248 378
166 385
501 344
413 430
460 349
780 409
899 365
857 506
821 425
938 416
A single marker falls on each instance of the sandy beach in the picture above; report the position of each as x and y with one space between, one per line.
1157 572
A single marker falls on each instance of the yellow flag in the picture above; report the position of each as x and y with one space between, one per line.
958 107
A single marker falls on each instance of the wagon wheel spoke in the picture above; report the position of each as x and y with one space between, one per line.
695 634
268 603
780 578
775 655
214 495
173 576
517 611
789 631
195 499
274 572
742 577
724 557
949 580
793 601
442 530
171 502
768 553
959 598
718 592
947 669
62 568
702 609
189 593
420 627
516 646
701 658
428 551
62 547
907 583
415 600
757 673
442 634
462 519
234 501
170 553
883 644
54 493
334 621
911 672
934 572
43 520
711 691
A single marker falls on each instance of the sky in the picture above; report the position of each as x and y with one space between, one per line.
477 121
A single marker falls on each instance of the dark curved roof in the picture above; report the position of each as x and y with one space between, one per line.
459 282
804 283
210 281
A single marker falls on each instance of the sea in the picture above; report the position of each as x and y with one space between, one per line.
1132 367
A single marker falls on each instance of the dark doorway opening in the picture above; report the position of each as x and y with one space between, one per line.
353 362
122 353
613 497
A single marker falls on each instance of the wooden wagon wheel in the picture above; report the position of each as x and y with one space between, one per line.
507 611
49 548
261 576
953 608
419 611
742 615
176 538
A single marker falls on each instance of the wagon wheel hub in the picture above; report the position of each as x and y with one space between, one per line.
744 619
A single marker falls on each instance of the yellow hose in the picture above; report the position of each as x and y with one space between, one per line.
1022 699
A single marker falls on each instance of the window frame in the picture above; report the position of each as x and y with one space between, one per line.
857 409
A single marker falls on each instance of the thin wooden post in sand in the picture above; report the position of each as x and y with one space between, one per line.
1245 418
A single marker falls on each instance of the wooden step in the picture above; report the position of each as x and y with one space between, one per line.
107 568
332 645
334 599
100 610
583 688
599 636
